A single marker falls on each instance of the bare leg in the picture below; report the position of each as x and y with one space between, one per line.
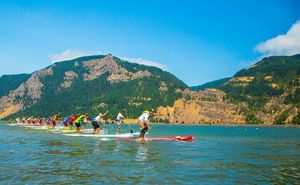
142 135
96 132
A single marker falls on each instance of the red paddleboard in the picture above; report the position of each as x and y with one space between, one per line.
171 138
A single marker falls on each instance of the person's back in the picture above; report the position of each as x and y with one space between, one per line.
144 117
119 116
119 119
71 120
144 120
66 121
96 122
79 119
78 122
97 118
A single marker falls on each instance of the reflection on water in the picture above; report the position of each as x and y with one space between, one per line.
118 146
220 155
142 152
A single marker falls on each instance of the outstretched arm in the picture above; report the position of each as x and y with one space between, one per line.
103 115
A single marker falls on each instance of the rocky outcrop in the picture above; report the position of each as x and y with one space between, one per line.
10 109
31 91
123 75
207 106
68 79
241 81
273 109
98 67
32 88
102 105
163 87
138 101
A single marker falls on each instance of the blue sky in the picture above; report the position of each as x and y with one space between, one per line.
198 41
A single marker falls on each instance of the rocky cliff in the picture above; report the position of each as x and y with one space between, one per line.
198 107
269 89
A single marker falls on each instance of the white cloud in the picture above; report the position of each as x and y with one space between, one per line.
286 44
71 54
145 62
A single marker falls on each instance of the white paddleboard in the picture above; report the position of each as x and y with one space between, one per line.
125 135
74 130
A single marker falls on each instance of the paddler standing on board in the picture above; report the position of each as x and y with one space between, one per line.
144 123
79 121
96 122
66 121
119 120
54 119
72 120
85 120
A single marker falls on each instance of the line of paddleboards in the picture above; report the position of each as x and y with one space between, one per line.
58 129
124 135
120 137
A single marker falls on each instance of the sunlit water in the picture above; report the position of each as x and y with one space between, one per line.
219 155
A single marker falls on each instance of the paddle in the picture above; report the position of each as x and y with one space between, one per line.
105 128
157 118
129 123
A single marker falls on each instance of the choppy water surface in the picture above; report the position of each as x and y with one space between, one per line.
219 155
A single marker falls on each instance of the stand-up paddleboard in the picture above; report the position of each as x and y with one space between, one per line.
170 138
34 127
40 127
75 130
125 135
12 124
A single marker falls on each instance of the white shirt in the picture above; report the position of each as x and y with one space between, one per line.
120 117
144 117
97 118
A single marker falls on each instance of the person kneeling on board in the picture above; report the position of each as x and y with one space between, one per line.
97 121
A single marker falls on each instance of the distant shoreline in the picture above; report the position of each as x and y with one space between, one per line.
243 125
230 125
205 125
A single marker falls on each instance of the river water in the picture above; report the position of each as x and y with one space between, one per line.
219 155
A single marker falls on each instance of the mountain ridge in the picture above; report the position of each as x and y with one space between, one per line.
211 84
99 81
267 92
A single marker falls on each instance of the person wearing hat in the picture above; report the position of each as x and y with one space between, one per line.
97 121
144 121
